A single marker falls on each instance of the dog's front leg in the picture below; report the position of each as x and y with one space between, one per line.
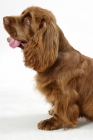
65 113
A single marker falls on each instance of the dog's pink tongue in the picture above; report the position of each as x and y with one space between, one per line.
13 43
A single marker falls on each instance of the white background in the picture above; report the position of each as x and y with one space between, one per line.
21 106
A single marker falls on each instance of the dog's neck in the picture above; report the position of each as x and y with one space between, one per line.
64 45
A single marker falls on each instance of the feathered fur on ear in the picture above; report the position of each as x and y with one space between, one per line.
42 50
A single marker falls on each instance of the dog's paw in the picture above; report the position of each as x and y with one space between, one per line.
49 124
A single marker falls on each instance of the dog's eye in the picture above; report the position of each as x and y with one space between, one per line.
27 21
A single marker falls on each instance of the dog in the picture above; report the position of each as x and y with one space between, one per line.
64 75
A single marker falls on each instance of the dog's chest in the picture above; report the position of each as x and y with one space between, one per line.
48 87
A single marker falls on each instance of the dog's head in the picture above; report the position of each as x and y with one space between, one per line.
37 31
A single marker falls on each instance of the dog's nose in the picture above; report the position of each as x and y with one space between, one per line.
5 20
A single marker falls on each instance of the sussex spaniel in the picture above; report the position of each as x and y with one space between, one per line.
64 75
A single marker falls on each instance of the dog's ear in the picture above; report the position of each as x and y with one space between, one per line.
43 46
49 38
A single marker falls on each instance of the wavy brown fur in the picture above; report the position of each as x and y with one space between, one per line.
64 75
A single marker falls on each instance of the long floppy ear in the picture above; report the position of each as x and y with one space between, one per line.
50 40
42 50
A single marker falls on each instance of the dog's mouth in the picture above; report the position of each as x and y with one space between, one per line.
16 43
